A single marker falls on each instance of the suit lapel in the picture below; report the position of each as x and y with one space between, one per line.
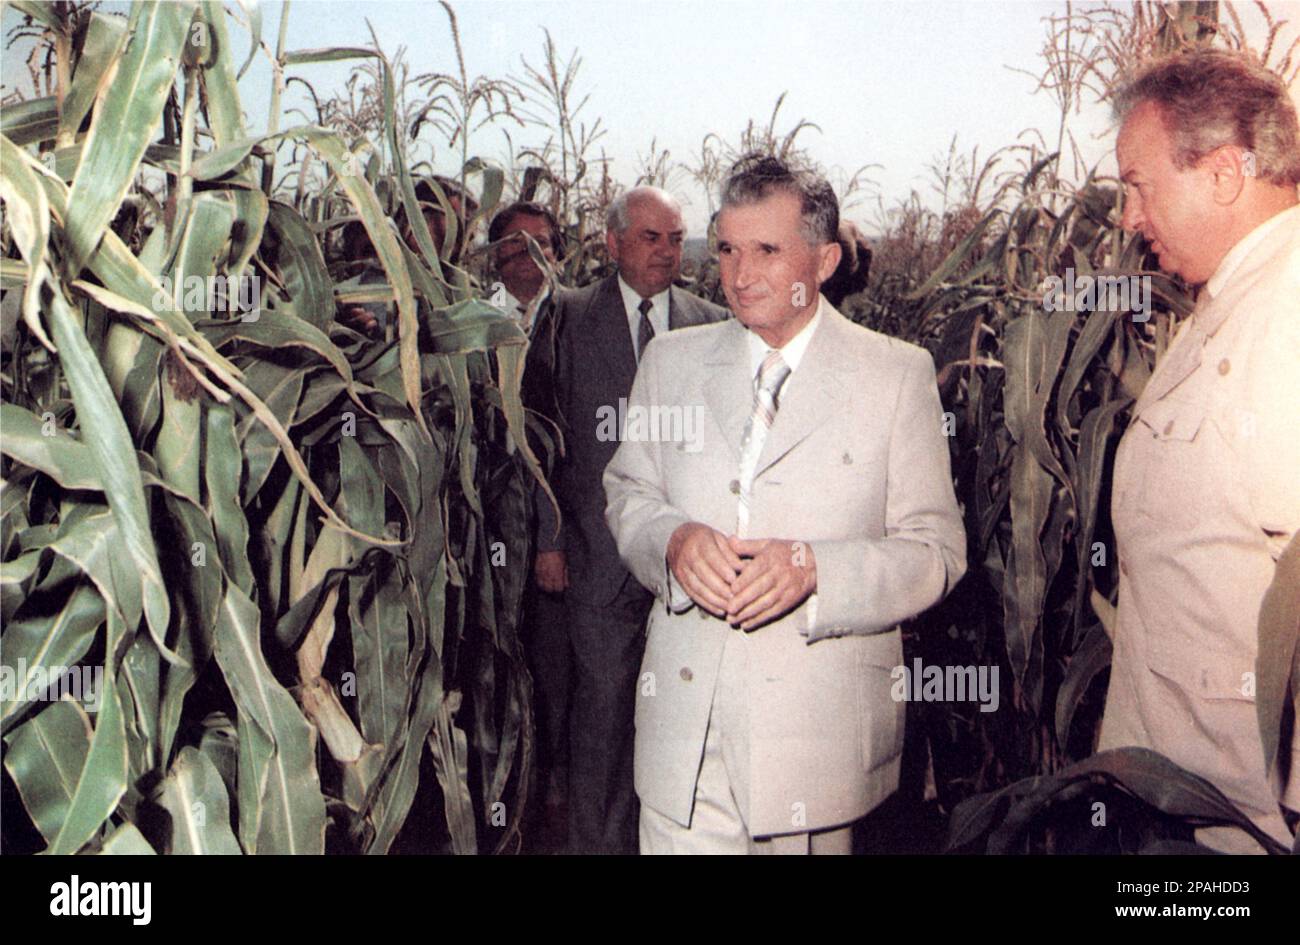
812 395
729 389
610 335
682 312
1182 358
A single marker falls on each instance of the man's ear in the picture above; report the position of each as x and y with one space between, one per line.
1230 166
611 244
829 260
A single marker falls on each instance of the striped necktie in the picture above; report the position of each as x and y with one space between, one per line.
767 385
645 331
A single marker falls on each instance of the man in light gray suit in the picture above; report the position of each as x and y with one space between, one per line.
813 513
603 330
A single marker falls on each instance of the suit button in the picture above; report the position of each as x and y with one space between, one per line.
1169 428
734 487
1225 366
686 674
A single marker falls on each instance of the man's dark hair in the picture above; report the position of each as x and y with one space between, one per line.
756 176
526 208
1208 98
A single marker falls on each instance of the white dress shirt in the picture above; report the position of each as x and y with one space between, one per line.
519 310
632 306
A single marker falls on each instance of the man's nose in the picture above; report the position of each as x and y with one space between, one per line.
1131 218
743 273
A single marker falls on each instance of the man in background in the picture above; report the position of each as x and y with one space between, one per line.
604 331
523 291
371 318
1207 488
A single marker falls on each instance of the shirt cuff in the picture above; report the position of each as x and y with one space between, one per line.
676 600
810 614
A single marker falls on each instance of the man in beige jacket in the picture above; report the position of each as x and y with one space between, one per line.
1207 477
783 488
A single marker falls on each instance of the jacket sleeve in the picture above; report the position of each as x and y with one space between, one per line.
637 509
868 585
543 393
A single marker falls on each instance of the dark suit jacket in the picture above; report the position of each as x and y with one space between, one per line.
537 387
595 365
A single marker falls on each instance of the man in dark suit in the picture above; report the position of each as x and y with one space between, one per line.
523 290
603 330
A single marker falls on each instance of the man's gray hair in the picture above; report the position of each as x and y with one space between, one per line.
1210 98
618 217
756 176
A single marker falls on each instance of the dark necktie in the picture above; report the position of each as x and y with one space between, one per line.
645 331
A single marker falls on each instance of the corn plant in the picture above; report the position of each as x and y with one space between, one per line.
291 554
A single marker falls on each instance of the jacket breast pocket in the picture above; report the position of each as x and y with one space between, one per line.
1169 469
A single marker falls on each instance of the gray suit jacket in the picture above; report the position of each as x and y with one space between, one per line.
855 464
594 367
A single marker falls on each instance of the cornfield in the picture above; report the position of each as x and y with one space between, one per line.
273 534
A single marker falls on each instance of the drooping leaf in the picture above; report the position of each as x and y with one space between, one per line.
126 112
195 797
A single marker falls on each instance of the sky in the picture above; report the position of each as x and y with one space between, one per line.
887 82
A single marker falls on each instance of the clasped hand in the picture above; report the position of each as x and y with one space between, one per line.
747 582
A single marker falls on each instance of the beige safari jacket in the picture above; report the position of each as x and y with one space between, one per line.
1206 495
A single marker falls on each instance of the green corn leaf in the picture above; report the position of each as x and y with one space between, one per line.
114 463
43 13
30 122
127 840
27 211
105 37
44 446
103 778
281 809
45 756
302 267
299 57
1089 658
48 643
128 109
195 797
954 259
450 752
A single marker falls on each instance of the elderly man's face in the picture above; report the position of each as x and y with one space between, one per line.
1169 206
770 273
513 261
649 251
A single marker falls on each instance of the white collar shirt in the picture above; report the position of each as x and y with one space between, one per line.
632 307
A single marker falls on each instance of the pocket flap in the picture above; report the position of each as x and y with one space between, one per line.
1172 419
1205 673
